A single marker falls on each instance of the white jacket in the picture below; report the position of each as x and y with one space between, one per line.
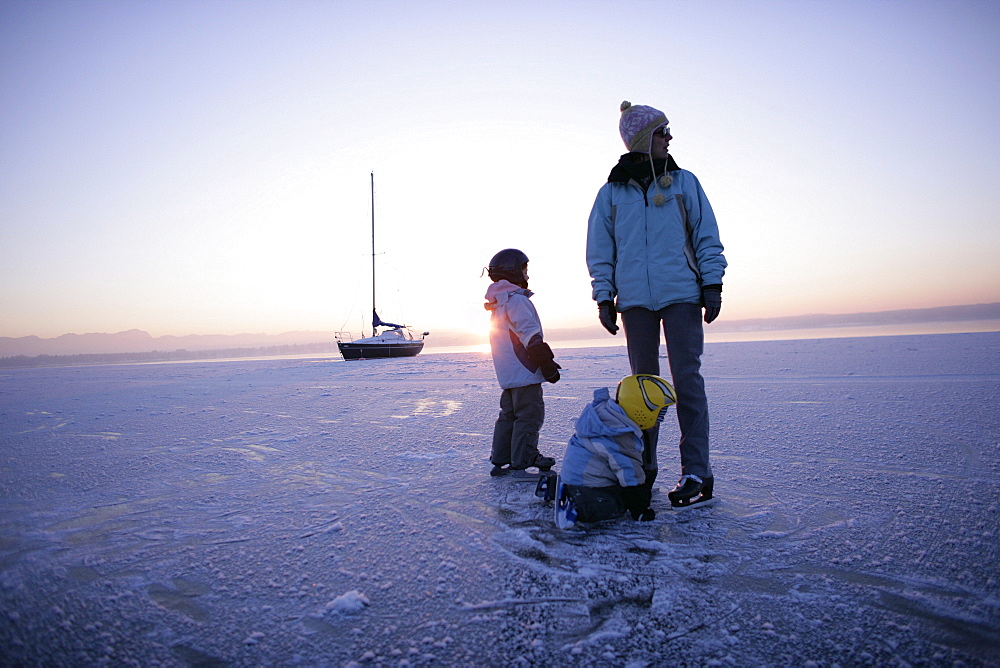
513 324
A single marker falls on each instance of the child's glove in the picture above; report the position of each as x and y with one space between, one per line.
637 502
540 353
608 316
551 372
648 515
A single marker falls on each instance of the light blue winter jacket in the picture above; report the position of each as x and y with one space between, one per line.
640 253
513 324
606 449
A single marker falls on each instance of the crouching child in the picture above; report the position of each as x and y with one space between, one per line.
602 475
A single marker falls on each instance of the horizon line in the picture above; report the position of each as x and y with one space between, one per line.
991 311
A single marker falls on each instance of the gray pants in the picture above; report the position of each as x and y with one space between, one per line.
685 336
515 435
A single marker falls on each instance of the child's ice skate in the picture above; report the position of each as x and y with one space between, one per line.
542 463
565 509
524 475
546 487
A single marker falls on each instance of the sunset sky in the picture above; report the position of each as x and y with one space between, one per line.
203 167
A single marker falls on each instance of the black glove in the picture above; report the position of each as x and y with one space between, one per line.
550 372
608 315
648 515
540 353
711 297
637 502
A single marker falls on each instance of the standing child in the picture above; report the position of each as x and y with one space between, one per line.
522 361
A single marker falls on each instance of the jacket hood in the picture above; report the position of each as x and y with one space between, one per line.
604 417
499 292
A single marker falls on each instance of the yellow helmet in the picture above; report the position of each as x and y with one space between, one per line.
645 398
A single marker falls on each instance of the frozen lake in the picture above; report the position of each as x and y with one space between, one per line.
321 512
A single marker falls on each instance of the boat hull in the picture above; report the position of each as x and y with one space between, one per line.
369 351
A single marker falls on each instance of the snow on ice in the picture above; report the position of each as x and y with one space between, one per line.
322 512
352 601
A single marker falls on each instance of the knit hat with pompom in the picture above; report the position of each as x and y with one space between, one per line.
637 124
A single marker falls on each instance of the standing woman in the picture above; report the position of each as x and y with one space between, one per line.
654 255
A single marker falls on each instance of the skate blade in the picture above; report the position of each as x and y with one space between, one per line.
697 504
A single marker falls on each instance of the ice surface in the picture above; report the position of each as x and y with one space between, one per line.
321 512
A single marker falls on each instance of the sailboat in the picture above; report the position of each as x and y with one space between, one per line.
395 340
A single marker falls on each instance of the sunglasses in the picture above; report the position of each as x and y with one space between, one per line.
663 132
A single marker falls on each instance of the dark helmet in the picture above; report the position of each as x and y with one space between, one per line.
508 264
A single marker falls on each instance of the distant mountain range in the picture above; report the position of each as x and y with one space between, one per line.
967 313
138 341
902 317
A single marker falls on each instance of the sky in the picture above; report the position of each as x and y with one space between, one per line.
203 167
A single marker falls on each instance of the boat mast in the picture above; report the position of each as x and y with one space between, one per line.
374 331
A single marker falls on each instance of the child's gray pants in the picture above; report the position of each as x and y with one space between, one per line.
515 435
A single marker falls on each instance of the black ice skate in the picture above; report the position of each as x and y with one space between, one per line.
546 487
543 463
691 491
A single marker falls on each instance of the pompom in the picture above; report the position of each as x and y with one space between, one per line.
666 180
659 199
625 105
